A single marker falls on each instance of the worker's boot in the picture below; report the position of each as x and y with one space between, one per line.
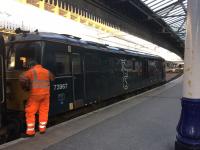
42 127
30 130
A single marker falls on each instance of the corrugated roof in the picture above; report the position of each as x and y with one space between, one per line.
173 12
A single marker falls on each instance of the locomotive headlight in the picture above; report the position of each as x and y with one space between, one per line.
12 62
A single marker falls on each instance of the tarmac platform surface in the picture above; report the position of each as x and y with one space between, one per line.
144 122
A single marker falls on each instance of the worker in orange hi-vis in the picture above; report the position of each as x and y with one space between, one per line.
39 85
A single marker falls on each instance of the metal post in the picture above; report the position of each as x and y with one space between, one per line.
188 129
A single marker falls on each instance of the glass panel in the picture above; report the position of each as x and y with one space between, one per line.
20 53
56 58
62 63
76 64
153 3
162 5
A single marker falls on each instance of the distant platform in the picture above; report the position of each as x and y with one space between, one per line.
144 122
172 75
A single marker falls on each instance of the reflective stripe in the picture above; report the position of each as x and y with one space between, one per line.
39 83
42 126
30 124
30 129
43 123
40 86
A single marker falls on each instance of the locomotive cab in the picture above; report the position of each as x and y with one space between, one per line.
18 56
54 53
48 51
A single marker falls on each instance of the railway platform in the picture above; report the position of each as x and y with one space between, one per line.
144 122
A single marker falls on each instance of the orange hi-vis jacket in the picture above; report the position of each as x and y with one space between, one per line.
40 80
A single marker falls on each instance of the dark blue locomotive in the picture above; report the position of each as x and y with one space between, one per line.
86 72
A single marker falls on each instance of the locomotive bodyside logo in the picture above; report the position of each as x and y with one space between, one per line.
124 71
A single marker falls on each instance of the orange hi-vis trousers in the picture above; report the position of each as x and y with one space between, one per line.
34 104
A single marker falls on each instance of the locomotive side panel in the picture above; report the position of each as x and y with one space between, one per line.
109 75
93 77
104 76
133 79
57 59
2 83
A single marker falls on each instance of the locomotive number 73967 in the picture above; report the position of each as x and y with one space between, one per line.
60 86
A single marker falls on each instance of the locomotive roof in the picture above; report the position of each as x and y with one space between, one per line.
72 40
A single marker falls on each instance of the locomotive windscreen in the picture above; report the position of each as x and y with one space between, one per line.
20 53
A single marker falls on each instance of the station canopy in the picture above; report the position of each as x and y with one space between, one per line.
11 18
173 12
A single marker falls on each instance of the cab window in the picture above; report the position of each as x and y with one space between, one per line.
19 54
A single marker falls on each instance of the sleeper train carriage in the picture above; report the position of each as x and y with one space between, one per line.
85 72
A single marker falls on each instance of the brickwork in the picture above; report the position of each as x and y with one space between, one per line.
33 2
